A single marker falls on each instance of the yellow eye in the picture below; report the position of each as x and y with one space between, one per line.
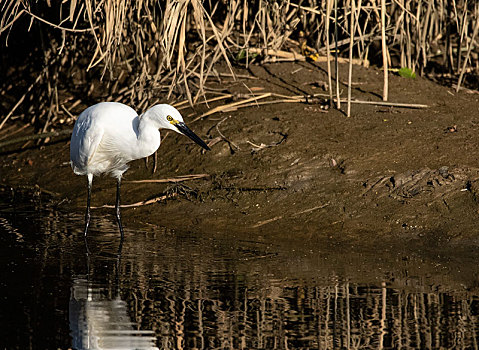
169 118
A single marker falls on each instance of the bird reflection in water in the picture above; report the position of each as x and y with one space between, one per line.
99 317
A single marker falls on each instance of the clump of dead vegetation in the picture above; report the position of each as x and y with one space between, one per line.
60 56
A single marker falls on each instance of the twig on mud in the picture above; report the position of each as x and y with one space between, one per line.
181 105
240 76
237 103
464 89
263 146
8 129
213 142
311 99
257 104
254 189
253 101
36 137
294 99
257 146
230 143
62 106
9 134
389 104
309 210
376 184
172 179
140 204
264 222
301 98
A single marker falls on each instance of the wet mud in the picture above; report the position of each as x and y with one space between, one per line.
297 170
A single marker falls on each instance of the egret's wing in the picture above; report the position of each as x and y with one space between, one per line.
85 140
103 140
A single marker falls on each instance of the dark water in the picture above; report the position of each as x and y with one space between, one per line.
176 290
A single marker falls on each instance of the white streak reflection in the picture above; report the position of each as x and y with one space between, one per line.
100 321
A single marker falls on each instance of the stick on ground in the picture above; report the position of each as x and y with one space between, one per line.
172 179
140 204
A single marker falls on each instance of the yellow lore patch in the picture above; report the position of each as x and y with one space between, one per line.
172 120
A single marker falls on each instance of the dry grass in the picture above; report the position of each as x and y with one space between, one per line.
140 52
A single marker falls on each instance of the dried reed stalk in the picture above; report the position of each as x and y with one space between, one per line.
466 59
172 179
142 203
328 51
351 43
143 52
336 55
384 49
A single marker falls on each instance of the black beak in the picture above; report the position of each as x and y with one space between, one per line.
187 132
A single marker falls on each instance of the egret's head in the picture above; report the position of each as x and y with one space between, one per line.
168 117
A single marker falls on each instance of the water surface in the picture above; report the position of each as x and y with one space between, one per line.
181 290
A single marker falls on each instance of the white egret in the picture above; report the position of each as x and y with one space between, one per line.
109 135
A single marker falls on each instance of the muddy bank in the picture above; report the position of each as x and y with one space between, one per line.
298 169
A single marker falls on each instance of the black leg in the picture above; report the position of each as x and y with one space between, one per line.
87 214
117 207
120 248
117 274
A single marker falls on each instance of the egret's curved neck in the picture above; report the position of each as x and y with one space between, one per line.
147 134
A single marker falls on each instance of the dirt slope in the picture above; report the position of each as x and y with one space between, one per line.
298 169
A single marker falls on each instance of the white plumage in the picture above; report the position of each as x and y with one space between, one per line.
109 135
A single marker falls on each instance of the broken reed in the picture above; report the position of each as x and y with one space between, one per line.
142 52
